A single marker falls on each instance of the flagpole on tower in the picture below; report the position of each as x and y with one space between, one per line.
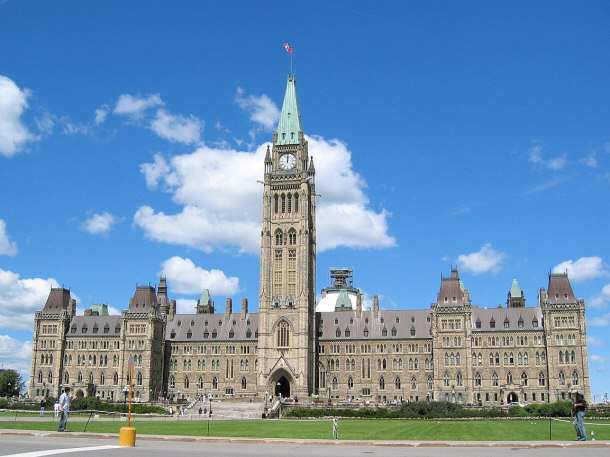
289 51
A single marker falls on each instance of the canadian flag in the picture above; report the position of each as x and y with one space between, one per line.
288 48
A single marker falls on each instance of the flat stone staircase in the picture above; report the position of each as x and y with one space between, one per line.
223 409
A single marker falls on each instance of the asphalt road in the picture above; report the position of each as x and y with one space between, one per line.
38 445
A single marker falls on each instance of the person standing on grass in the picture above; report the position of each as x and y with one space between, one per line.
579 407
43 403
64 409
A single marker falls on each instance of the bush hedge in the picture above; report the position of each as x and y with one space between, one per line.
445 410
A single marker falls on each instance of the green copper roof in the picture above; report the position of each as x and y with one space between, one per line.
515 290
343 302
205 297
101 308
289 126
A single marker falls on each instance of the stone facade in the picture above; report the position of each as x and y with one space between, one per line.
450 351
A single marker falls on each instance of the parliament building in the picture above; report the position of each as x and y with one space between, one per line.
451 351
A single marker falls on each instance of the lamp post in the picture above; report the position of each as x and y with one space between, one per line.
10 392
209 412
125 392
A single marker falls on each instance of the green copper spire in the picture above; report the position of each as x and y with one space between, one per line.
343 302
515 290
289 126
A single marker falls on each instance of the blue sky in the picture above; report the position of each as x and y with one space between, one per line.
132 136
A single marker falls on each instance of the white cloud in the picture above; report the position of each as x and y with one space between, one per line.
599 321
21 298
556 163
261 108
582 269
101 113
185 277
71 128
13 133
16 355
177 128
153 172
483 261
135 107
7 247
46 123
601 300
596 358
185 305
595 341
100 224
211 219
590 160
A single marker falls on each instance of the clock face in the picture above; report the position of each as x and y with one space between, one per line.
287 161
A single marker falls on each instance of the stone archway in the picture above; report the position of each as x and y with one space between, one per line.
79 393
512 398
282 387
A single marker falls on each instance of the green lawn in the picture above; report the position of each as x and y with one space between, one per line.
418 430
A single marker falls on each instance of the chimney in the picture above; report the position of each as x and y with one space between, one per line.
72 307
244 307
229 309
359 305
376 305
172 310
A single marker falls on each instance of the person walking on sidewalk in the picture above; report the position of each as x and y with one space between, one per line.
43 403
64 409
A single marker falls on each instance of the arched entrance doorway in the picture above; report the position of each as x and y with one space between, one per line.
512 398
282 387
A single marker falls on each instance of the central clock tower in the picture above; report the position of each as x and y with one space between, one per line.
286 340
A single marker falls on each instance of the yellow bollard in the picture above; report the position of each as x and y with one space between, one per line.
127 436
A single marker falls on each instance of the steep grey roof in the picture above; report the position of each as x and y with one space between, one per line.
327 324
560 290
57 301
510 315
226 328
94 326
144 299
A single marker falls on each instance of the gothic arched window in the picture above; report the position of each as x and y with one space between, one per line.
283 335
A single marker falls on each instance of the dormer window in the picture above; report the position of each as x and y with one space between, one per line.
492 324
535 323
384 332
206 334
214 334
338 333
506 323
412 331
231 334
366 332
172 334
520 323
336 321
189 334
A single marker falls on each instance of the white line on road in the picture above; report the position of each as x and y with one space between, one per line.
61 451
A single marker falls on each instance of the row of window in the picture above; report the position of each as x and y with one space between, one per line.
286 203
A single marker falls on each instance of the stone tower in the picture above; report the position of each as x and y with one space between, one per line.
286 345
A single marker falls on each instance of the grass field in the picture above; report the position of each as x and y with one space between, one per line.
418 430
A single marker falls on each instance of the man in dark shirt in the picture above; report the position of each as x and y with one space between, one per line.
579 407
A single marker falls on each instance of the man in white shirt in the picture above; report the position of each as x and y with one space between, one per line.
64 408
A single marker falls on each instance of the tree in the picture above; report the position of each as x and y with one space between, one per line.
10 383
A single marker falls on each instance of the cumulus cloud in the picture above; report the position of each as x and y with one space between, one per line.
212 219
101 113
21 298
596 358
185 277
153 172
599 321
7 247
595 341
100 224
482 261
555 163
262 109
14 135
601 300
582 269
135 107
177 128
16 354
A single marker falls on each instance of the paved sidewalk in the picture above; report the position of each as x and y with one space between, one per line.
302 442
